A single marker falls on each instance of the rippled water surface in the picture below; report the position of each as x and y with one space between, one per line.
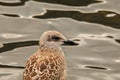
94 24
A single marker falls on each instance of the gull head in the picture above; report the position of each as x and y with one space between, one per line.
54 39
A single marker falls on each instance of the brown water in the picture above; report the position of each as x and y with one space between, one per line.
94 24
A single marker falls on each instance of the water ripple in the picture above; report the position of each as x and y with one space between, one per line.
97 17
11 15
11 46
11 35
96 67
63 2
22 2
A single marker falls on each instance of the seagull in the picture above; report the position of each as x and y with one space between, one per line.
48 62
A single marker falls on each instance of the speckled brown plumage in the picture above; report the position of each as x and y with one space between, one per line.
48 63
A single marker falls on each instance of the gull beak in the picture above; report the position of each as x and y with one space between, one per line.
69 43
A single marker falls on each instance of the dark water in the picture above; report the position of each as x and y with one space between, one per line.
94 24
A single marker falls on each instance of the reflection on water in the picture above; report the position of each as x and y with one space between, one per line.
96 67
71 2
117 40
11 15
64 2
97 17
11 46
10 3
94 24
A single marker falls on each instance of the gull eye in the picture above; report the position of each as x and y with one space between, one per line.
55 38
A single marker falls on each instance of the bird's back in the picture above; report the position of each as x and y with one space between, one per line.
45 65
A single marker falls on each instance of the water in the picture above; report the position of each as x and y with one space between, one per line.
94 24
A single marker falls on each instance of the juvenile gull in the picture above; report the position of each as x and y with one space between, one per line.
48 63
